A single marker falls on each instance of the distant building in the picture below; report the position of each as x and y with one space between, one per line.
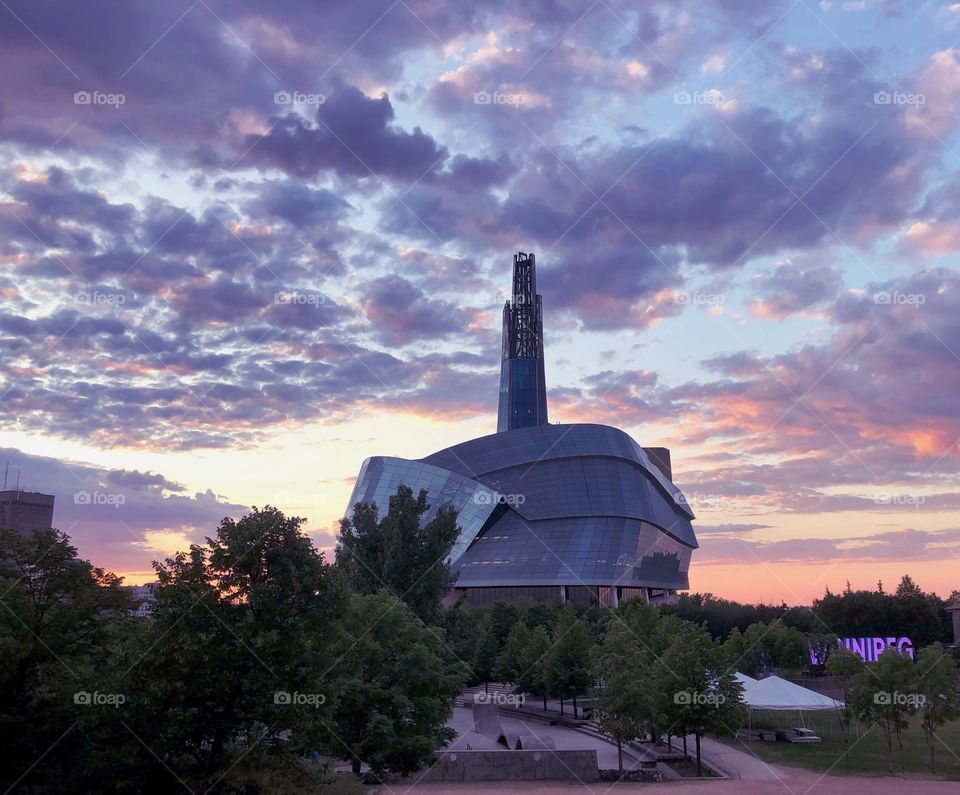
954 611
24 511
143 597
566 513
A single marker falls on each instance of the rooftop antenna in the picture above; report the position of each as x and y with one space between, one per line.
18 478
6 470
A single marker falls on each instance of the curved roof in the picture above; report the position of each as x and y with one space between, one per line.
487 454
555 471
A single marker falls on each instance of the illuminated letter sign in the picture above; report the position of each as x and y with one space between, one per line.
867 649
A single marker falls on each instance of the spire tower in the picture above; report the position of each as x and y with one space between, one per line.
523 391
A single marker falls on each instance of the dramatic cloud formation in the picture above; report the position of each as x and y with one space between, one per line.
221 222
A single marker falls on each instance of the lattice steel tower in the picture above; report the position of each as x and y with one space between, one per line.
523 391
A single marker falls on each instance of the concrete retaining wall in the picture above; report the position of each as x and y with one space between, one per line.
514 766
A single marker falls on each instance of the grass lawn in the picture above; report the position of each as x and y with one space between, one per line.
868 755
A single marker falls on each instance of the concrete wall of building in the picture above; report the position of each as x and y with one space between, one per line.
514 766
24 511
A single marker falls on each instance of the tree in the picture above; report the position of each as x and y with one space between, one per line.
498 622
908 588
400 552
937 688
696 692
541 614
533 666
463 629
568 662
845 665
61 620
239 654
791 649
624 700
397 690
509 665
756 657
883 695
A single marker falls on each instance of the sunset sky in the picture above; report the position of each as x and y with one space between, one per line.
244 246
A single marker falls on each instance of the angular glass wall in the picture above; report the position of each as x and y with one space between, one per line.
381 476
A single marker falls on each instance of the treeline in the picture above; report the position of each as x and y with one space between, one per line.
908 610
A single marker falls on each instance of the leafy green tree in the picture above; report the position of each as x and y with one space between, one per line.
568 661
463 630
239 654
821 645
400 552
884 695
624 699
533 666
939 698
541 614
397 691
696 692
498 622
61 621
845 665
791 649
766 645
509 665
734 649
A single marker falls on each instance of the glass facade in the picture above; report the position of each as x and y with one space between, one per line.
574 551
579 506
380 476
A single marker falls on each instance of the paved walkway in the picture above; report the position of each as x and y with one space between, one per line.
736 762
565 738
733 759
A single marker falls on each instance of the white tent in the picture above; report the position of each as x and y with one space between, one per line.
776 693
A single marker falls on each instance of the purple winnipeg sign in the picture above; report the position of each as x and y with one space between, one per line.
868 649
